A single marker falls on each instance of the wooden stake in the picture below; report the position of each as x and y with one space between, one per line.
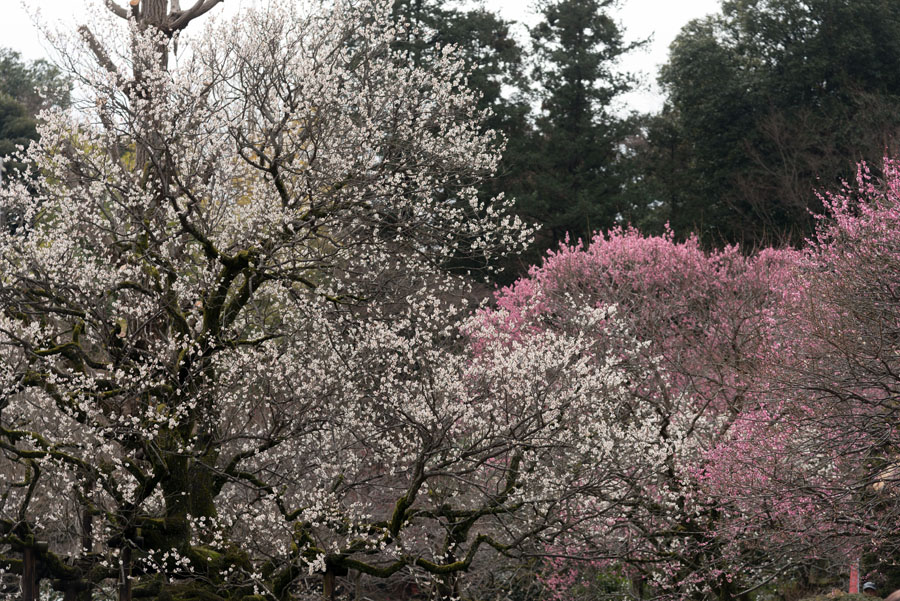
29 590
125 575
328 585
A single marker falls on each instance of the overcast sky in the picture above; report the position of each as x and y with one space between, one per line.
659 20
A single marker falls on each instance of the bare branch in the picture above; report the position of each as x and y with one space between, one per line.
200 8
98 51
115 8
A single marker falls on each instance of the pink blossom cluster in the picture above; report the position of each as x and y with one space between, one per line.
774 377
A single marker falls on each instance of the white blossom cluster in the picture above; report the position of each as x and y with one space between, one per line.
231 338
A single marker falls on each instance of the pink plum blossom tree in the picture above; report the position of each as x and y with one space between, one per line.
808 471
818 465
712 326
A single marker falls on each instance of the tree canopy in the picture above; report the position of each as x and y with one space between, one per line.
575 179
36 84
765 101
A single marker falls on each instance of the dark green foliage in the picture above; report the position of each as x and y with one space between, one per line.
20 101
20 81
484 40
839 597
564 165
763 100
883 568
495 62
17 127
574 182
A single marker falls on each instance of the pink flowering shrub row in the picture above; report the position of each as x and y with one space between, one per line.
775 380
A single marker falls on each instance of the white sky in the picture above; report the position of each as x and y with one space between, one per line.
658 19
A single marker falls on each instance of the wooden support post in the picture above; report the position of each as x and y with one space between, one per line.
29 588
328 584
87 540
87 530
125 575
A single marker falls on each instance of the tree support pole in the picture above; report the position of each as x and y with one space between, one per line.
29 590
125 575
328 585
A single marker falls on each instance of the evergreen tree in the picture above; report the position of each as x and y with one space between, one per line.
17 127
494 59
17 130
763 100
564 165
25 89
577 174
22 82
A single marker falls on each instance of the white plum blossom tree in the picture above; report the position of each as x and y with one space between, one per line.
236 357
